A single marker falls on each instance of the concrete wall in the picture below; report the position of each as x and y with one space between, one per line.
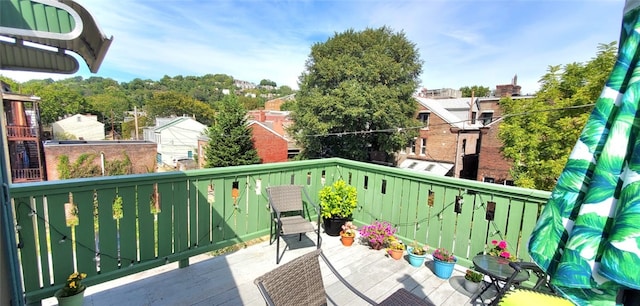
141 153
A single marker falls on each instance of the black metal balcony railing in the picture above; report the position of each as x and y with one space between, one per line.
115 226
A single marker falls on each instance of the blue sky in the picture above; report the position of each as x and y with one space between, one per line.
462 42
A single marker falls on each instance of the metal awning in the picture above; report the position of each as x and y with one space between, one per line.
34 35
433 167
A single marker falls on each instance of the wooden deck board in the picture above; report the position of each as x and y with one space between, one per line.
228 279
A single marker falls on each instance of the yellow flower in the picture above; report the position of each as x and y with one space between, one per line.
83 275
72 284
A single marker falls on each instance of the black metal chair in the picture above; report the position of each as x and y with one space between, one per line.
288 214
299 282
536 291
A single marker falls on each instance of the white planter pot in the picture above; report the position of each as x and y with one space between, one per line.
471 286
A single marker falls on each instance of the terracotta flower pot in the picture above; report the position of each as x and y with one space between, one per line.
346 240
396 254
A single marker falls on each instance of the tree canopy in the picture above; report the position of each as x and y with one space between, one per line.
230 142
538 134
108 99
356 94
478 91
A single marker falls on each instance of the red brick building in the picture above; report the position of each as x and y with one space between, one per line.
272 147
448 141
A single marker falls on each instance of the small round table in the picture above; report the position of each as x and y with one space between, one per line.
498 270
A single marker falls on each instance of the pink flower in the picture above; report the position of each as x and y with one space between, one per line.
502 244
505 254
494 242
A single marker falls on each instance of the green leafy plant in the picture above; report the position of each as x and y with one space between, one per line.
338 200
74 284
473 276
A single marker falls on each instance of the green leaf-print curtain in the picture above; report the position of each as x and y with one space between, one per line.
588 235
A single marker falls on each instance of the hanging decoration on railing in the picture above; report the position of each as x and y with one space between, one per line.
491 209
71 212
154 202
458 204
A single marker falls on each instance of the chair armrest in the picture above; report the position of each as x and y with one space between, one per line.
310 201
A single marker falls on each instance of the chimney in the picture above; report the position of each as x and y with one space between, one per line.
473 92
261 116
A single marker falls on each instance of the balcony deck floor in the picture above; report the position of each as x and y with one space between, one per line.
228 279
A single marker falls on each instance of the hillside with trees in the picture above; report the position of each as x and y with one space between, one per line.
199 96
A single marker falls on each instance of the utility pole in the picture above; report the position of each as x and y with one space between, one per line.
113 134
135 119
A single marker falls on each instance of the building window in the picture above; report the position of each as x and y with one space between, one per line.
473 117
464 146
424 119
486 118
423 146
413 147
489 180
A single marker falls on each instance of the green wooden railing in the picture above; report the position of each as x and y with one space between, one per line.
115 226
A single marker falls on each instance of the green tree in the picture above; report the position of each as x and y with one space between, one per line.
538 134
230 142
170 103
265 82
356 94
478 91
57 100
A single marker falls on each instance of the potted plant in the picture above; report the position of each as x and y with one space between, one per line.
499 250
377 234
72 294
443 262
396 248
337 203
472 280
417 254
348 233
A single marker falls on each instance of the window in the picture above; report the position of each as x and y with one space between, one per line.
486 117
413 147
464 146
423 146
473 117
489 180
424 119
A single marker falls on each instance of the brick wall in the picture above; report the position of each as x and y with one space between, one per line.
141 154
271 148
491 162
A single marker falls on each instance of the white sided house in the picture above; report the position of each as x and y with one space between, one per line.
81 127
177 138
